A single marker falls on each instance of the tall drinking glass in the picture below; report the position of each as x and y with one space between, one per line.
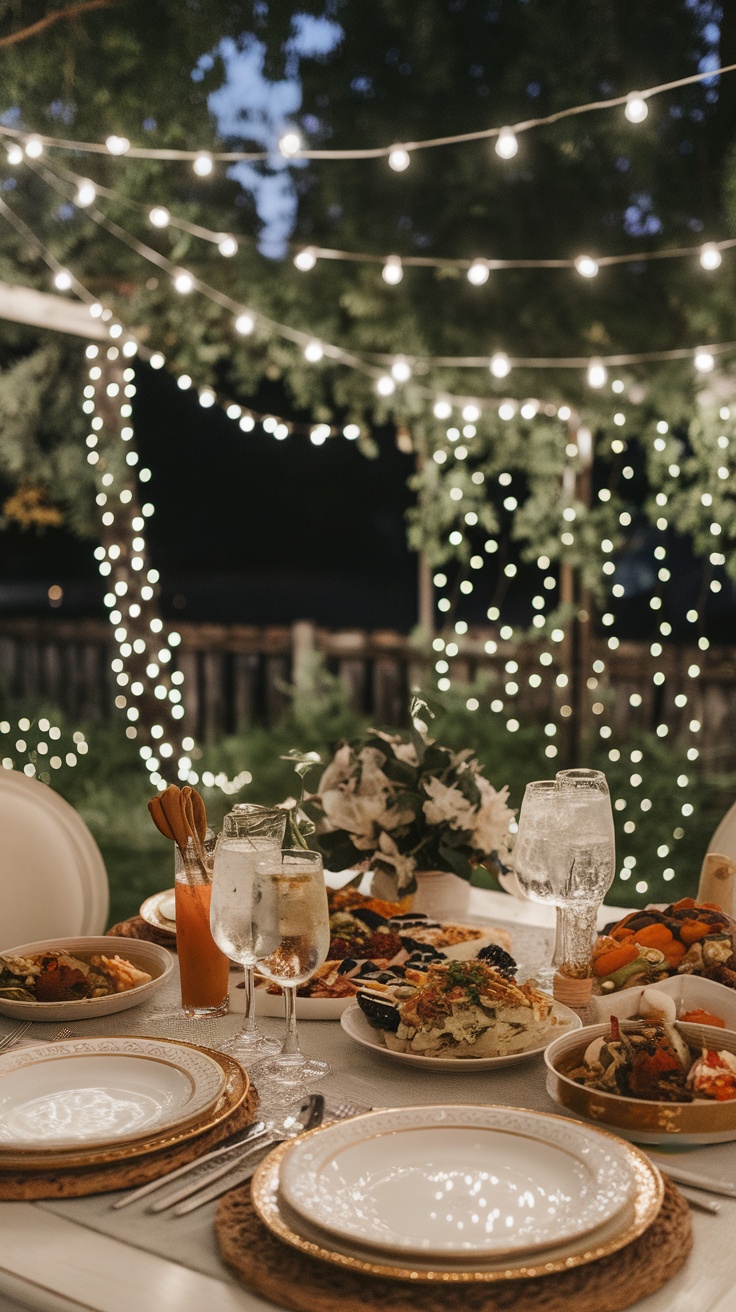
584 857
249 833
533 863
292 938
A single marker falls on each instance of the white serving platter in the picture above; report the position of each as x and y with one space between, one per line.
457 1182
52 876
358 1028
156 961
688 991
88 1092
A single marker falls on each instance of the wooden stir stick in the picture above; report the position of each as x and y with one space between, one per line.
179 814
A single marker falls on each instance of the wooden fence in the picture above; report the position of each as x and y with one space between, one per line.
237 675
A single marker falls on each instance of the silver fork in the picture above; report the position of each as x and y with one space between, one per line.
64 1033
342 1111
10 1040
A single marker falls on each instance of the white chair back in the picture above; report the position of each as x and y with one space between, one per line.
53 882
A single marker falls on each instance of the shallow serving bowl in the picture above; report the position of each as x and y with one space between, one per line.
688 992
637 1119
156 961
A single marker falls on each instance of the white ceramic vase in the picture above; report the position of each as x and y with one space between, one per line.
441 895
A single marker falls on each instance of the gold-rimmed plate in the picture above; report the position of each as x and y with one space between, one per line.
154 908
623 1229
232 1096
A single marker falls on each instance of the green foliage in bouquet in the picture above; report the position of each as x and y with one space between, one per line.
400 802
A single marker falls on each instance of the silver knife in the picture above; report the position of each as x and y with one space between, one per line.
215 1190
255 1131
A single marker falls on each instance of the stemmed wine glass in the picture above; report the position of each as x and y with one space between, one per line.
584 861
533 862
249 833
292 939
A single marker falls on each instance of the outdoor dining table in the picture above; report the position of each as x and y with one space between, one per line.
60 1256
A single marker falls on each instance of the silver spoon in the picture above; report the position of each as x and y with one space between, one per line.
308 1116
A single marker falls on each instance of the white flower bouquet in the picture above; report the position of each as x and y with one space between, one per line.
398 803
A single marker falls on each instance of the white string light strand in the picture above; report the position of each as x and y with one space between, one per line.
402 370
291 146
478 268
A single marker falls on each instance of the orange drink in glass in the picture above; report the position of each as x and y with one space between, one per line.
204 969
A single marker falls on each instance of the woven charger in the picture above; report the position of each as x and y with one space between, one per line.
19 1184
301 1283
137 927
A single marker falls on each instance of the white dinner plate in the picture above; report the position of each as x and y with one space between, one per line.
97 1091
52 876
293 1229
156 961
562 1021
272 1004
457 1181
159 910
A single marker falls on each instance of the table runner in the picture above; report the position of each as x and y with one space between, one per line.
363 1077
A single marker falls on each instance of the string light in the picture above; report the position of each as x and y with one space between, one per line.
597 373
117 145
710 256
63 280
399 159
244 324
86 193
506 143
159 216
636 108
500 365
306 259
313 352
184 283
290 144
392 270
479 273
586 266
227 246
703 360
203 164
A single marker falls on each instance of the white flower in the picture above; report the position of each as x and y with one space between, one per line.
405 752
493 817
447 806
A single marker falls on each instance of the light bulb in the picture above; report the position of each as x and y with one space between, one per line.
15 154
184 282
710 256
586 266
227 246
117 145
313 352
86 193
385 385
506 410
392 272
206 398
290 144
442 409
34 147
399 159
244 324
157 360
351 432
506 143
306 259
500 365
203 164
478 273
529 409
636 107
471 413
63 280
401 370
159 216
703 361
319 434
597 373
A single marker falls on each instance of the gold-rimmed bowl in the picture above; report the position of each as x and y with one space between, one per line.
154 960
638 1119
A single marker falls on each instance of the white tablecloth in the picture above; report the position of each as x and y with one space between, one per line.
58 1255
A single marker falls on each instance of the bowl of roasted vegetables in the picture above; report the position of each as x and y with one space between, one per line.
685 938
79 978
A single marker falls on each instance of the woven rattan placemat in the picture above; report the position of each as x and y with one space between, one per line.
24 1185
137 927
304 1284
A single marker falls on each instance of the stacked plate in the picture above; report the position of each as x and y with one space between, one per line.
93 1102
461 1193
